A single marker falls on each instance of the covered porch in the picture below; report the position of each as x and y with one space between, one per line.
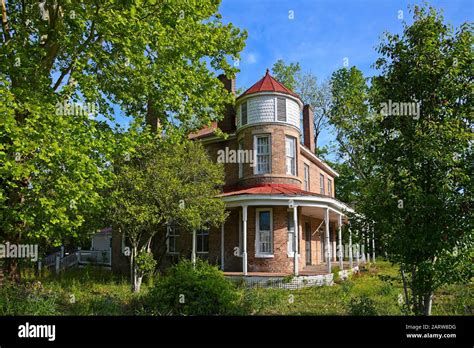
318 238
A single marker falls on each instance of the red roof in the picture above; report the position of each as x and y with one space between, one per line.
204 132
270 189
268 84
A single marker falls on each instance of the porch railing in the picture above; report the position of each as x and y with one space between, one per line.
96 257
69 261
79 257
50 260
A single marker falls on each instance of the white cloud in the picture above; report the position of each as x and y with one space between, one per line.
252 58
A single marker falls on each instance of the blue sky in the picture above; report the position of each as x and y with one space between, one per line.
322 32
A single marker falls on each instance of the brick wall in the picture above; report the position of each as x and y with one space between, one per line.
278 165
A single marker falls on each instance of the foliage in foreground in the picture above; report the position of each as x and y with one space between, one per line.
413 159
98 292
193 290
164 183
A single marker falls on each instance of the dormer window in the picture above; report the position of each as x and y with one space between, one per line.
281 109
243 114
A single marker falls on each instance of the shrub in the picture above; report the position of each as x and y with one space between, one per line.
188 290
362 305
27 299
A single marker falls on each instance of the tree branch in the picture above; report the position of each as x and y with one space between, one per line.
5 25
81 49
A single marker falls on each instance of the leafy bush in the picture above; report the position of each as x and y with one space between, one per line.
362 305
188 290
27 299
146 265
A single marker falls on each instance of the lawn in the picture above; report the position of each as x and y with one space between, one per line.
375 291
381 284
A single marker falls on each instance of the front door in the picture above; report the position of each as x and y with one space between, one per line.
307 230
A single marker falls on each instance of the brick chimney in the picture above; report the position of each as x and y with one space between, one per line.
227 124
308 127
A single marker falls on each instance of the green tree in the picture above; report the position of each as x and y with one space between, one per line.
350 116
424 158
164 182
286 73
415 163
305 84
152 59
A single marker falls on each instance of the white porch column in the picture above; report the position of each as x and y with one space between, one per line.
350 247
244 239
296 251
193 253
328 255
373 244
358 252
222 246
367 239
339 237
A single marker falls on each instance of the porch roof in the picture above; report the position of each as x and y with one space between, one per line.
270 189
278 194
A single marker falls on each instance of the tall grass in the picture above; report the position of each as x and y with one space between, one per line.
95 291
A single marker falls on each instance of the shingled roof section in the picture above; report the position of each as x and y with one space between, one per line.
204 132
268 84
269 189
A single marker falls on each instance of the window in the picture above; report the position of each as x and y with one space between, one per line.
281 109
291 234
306 177
243 114
321 183
329 187
264 238
241 158
262 145
290 143
202 241
172 232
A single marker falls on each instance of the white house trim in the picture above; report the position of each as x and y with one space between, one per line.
244 237
306 201
318 161
241 99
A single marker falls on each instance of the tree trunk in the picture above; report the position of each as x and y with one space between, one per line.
135 276
137 281
427 303
405 288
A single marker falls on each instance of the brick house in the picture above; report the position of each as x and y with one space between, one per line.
282 184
